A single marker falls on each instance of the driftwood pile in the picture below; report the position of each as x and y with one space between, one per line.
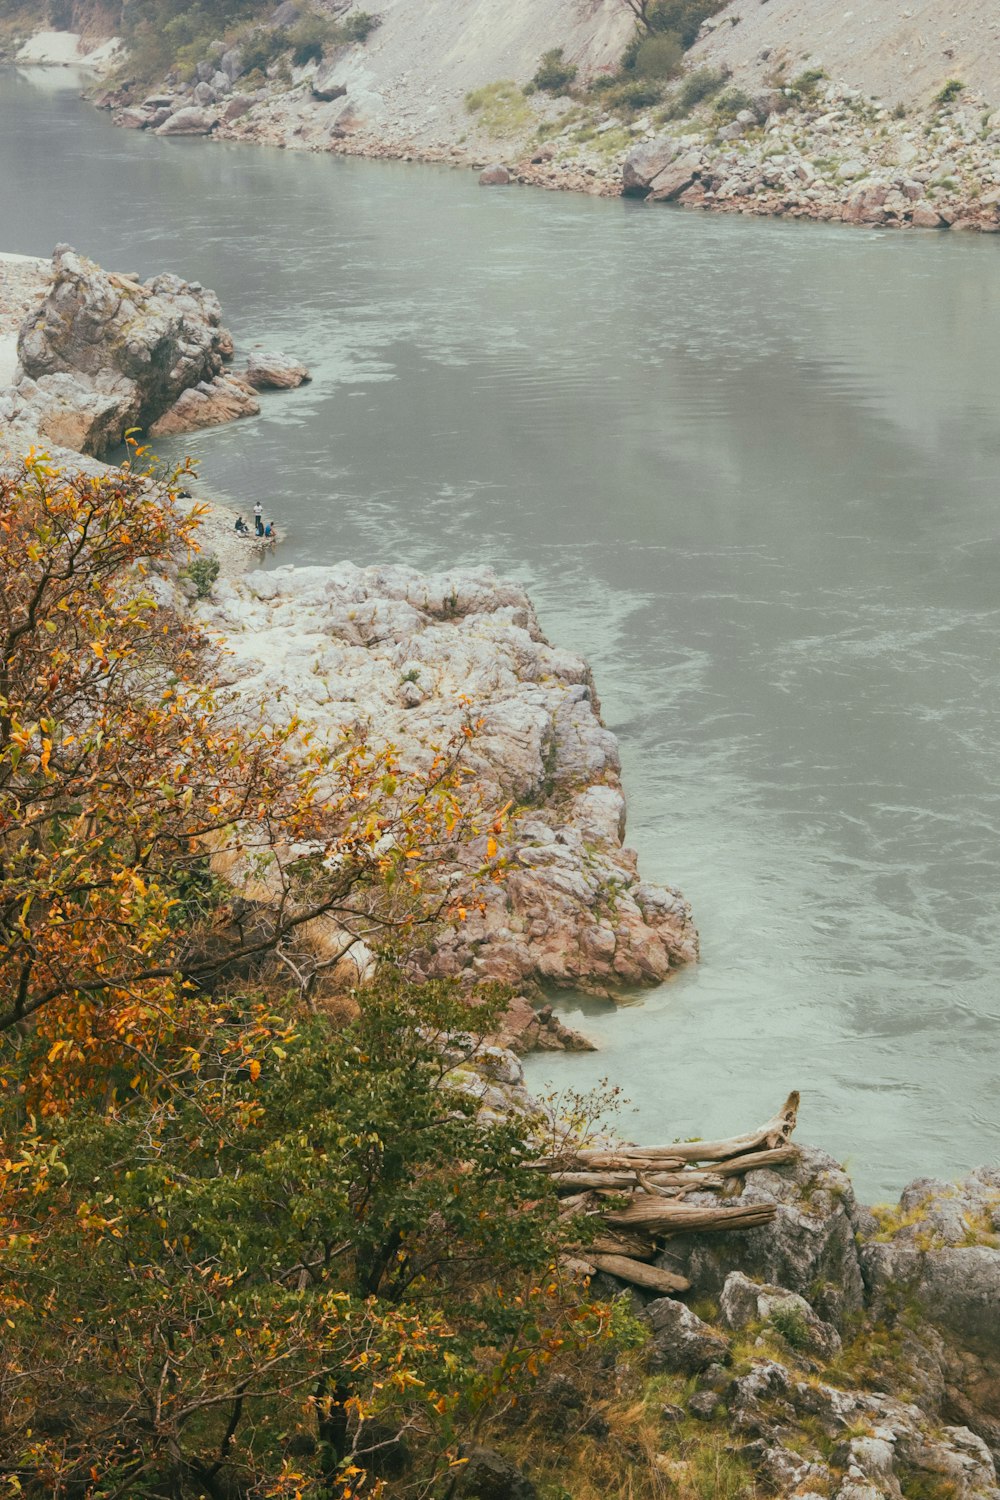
638 1194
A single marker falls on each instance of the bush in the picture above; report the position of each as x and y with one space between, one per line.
695 89
309 38
634 94
203 571
682 17
659 56
261 48
949 92
554 73
729 104
359 26
807 83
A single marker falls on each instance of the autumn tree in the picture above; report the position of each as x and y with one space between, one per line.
125 783
311 1263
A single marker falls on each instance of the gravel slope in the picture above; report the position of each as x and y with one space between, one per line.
891 51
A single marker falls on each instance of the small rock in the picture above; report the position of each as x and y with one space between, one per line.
487 1475
681 1341
279 372
704 1405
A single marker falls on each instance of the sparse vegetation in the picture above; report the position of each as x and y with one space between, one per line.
949 92
730 104
806 85
659 57
500 108
203 571
554 74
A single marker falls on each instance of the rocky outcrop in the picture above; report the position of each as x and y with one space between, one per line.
900 1399
524 1029
208 404
104 353
405 657
192 119
810 1248
938 1256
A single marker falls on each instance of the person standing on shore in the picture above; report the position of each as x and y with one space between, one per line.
258 519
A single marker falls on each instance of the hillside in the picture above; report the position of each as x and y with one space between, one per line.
894 52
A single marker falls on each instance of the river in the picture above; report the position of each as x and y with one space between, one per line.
748 468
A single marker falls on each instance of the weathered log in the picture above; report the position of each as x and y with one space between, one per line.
576 1266
623 1160
756 1159
626 1181
634 1246
774 1134
651 1277
689 1181
661 1217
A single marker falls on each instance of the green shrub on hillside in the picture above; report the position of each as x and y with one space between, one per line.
659 56
949 92
682 17
806 85
554 74
729 104
358 26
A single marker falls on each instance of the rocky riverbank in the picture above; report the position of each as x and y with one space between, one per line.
391 654
404 658
746 132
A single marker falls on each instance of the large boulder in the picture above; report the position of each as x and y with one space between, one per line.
118 351
486 1475
208 404
744 1302
675 178
682 1343
810 1247
191 120
938 1254
275 372
643 164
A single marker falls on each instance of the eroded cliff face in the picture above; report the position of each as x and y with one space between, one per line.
405 658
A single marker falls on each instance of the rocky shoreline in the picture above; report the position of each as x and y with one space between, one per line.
400 657
820 150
